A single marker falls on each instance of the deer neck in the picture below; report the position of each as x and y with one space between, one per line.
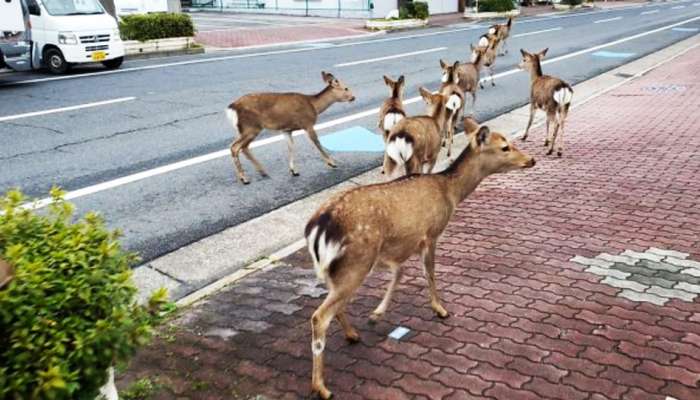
323 99
464 175
536 71
439 116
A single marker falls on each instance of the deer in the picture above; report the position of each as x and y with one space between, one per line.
392 110
550 94
502 32
486 51
382 225
414 142
285 112
451 89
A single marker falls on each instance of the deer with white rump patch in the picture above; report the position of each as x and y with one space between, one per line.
486 52
502 32
392 110
286 112
414 142
454 93
382 225
549 94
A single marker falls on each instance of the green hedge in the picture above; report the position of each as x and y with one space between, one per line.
69 312
572 2
144 27
496 5
414 9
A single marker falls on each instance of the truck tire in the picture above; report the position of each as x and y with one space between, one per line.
55 62
113 63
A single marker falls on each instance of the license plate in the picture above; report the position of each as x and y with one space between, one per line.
98 55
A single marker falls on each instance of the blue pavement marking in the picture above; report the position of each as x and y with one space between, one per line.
685 29
612 54
356 138
399 332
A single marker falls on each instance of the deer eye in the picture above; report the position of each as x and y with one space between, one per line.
346 89
506 148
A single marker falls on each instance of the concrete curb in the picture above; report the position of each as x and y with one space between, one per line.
236 252
294 43
397 24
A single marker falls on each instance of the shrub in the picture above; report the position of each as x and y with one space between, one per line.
414 9
144 27
69 312
421 10
496 5
572 2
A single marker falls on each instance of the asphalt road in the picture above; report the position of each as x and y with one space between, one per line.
135 159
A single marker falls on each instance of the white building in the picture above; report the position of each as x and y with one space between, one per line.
327 8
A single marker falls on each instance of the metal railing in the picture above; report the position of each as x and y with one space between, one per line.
296 7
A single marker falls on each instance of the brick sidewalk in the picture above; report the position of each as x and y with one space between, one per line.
548 275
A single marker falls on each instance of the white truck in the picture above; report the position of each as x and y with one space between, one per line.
14 42
63 33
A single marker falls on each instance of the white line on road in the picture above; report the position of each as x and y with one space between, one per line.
277 138
606 20
649 12
64 109
677 7
537 32
371 60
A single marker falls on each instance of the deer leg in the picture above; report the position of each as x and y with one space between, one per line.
290 149
320 320
388 166
555 131
491 68
547 137
473 105
249 155
562 118
428 255
351 334
378 312
314 139
236 148
529 122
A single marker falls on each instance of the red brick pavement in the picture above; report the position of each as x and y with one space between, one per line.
526 322
230 38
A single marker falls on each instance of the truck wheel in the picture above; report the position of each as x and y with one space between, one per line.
55 62
113 63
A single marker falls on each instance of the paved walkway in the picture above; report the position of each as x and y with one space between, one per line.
575 280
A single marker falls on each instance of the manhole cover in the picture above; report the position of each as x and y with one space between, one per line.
654 276
663 89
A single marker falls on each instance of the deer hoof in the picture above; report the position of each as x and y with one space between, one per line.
264 174
524 138
374 318
546 143
493 84
244 180
352 337
549 153
323 393
559 153
294 173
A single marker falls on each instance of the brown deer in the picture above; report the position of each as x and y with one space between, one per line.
502 32
486 51
284 112
415 141
451 89
549 94
392 110
382 225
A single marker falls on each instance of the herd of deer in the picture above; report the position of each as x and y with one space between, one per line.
382 225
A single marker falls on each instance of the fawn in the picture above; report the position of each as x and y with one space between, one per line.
502 32
392 110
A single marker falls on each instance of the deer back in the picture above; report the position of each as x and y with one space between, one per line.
276 111
543 91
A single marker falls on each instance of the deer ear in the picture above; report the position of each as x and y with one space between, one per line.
327 76
387 80
543 52
443 64
523 52
401 80
455 65
482 136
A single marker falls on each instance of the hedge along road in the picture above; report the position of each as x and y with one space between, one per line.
177 114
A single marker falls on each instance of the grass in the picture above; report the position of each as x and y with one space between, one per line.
143 389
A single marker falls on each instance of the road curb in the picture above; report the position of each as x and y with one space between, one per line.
211 50
235 253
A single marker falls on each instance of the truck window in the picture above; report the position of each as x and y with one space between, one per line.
73 7
33 7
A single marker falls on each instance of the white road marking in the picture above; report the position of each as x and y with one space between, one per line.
677 7
537 32
64 109
606 20
371 60
258 143
649 12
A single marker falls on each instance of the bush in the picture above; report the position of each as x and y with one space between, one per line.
69 312
414 9
496 5
144 27
572 2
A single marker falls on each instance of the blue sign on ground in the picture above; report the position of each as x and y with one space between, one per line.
612 54
356 138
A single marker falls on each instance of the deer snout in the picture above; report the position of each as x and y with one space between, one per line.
352 99
530 163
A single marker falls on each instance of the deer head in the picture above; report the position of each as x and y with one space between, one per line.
338 90
531 61
396 86
497 153
449 72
